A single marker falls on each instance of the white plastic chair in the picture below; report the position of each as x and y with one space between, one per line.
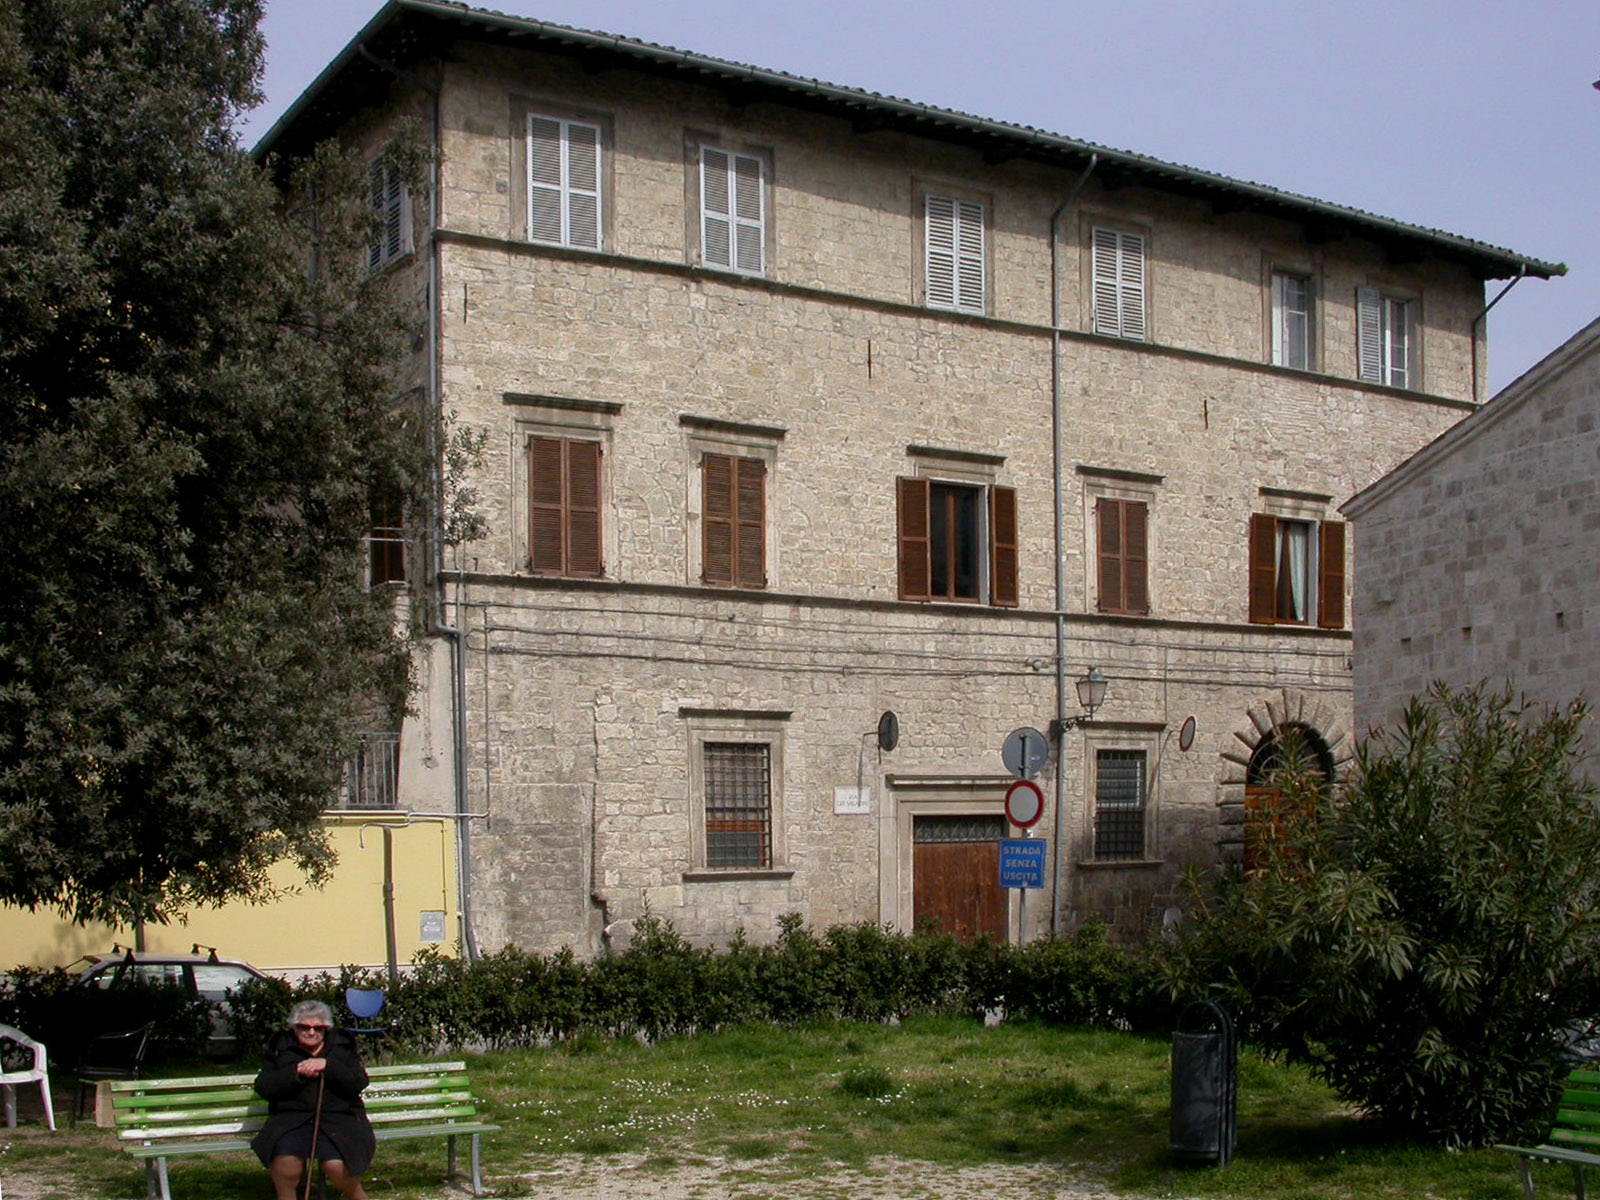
39 1073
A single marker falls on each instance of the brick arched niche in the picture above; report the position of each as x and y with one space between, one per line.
1255 744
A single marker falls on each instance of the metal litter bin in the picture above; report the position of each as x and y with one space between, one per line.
1205 1085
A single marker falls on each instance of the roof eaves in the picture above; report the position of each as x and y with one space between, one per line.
1489 260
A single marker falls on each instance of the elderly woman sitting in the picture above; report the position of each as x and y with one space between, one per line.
312 1084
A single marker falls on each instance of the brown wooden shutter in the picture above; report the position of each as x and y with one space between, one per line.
546 538
751 517
717 519
1108 518
1003 546
564 507
583 509
915 567
1330 575
734 517
1263 569
1136 556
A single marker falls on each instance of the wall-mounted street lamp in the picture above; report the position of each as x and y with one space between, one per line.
1091 695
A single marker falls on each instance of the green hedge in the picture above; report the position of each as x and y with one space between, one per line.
661 986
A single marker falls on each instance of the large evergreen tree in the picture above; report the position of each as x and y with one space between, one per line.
196 424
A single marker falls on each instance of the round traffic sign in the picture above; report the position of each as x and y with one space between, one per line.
1024 804
1025 752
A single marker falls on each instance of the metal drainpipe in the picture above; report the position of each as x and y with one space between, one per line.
1522 272
1060 537
436 624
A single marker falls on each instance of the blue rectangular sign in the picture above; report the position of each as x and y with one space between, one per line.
1022 863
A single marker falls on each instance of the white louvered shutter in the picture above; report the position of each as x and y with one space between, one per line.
716 204
388 201
1369 334
954 253
583 186
563 183
748 223
940 222
1119 284
732 228
969 257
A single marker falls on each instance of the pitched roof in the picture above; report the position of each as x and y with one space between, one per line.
1531 387
405 32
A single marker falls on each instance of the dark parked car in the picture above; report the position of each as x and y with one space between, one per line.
202 976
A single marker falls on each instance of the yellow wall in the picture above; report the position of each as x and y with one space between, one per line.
310 931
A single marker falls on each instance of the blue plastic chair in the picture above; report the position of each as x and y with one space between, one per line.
365 1005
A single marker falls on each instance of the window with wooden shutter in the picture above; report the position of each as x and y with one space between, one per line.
1296 571
732 211
388 198
951 535
1330 573
1003 547
1123 555
1263 569
954 250
734 521
564 507
564 182
912 495
1118 267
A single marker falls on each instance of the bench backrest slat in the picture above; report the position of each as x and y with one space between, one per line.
1577 1119
225 1107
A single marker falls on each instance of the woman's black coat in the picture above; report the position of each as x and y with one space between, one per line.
292 1101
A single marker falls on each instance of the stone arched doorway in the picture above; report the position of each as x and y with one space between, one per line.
1291 718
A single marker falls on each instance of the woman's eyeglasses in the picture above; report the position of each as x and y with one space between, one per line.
302 1027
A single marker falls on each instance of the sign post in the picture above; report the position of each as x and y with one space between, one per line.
1025 753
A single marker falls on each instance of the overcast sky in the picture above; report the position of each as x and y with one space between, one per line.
1473 116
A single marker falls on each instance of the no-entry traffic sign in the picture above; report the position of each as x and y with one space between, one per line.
1024 804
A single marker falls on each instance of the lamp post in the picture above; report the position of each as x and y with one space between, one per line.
1091 695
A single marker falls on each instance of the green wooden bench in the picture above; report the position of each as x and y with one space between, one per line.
158 1119
1574 1138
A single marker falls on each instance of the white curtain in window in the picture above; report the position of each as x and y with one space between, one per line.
1293 547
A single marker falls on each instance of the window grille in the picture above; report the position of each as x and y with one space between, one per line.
1119 804
738 804
372 777
928 830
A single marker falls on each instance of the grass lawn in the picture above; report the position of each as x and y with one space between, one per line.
802 1103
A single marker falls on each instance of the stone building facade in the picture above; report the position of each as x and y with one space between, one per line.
1479 554
802 406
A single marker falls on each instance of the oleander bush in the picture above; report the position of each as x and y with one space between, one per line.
1426 936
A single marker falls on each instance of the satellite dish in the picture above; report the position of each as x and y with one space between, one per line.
1186 735
888 731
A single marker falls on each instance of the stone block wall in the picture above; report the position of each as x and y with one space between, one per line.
584 698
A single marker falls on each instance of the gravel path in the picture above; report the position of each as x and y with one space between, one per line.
625 1178
635 1177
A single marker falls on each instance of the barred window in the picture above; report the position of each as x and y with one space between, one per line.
1119 804
738 804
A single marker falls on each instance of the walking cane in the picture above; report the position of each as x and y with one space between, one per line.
316 1126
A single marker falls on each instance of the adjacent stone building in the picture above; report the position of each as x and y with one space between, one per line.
1479 555
804 406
